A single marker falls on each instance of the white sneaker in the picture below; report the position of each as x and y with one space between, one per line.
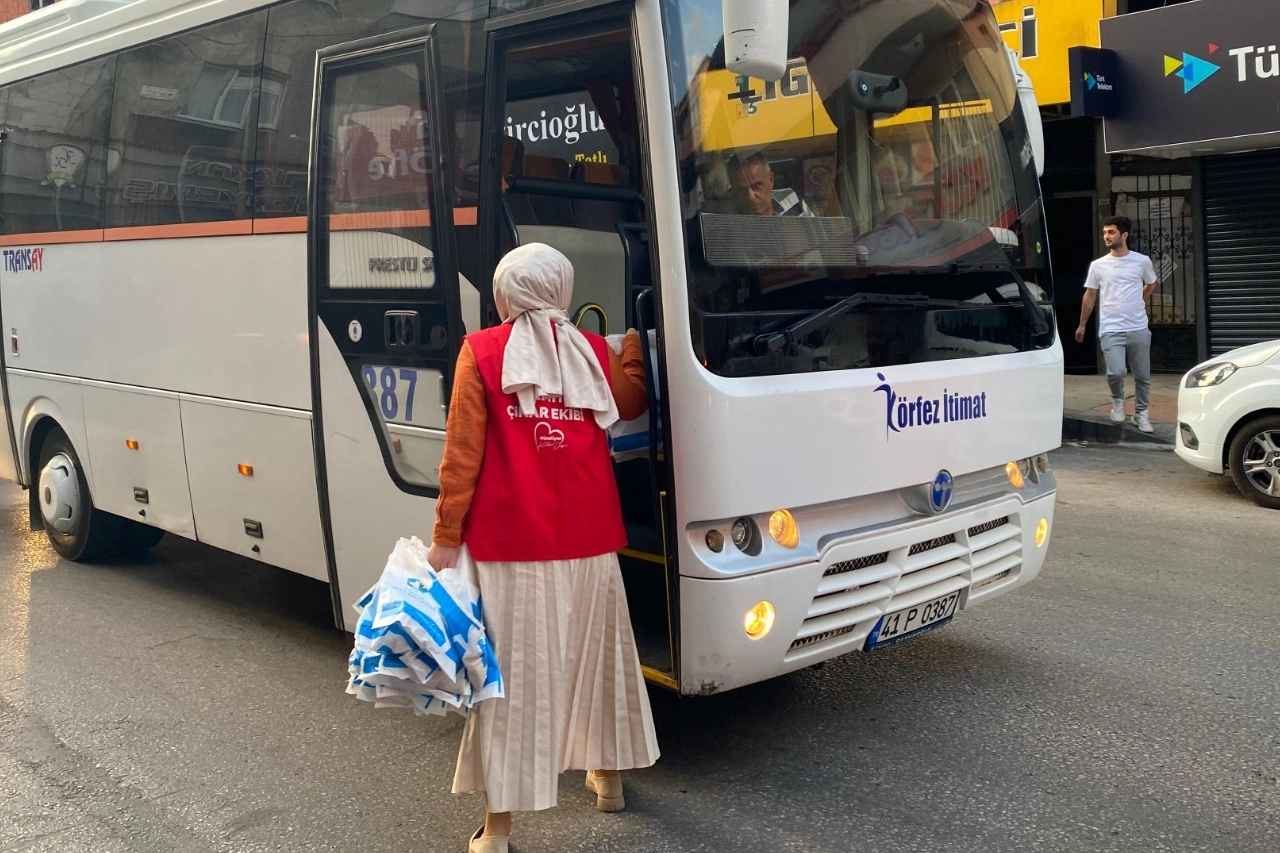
1117 411
1143 422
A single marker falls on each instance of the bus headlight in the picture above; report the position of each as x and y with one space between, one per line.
1042 463
759 620
740 533
1014 473
783 529
1042 532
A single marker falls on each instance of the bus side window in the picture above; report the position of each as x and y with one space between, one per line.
187 154
55 151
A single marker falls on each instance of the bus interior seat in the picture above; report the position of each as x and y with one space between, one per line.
548 210
512 158
518 205
598 215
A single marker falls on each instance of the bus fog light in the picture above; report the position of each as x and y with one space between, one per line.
759 620
740 533
1042 532
783 529
715 540
1014 473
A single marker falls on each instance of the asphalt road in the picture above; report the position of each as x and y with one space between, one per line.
1127 701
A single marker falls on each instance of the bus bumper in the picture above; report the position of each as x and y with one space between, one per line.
830 607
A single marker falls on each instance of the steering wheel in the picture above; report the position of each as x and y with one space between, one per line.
591 308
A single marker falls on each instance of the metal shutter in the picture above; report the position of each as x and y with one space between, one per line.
1242 249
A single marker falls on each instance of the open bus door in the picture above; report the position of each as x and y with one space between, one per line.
385 314
566 167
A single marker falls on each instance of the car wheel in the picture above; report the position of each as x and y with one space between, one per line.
77 530
1254 458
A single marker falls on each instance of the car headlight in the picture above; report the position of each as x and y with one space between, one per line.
1210 375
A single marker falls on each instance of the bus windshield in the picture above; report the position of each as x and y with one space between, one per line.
890 160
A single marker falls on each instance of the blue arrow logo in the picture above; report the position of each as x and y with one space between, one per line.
1192 69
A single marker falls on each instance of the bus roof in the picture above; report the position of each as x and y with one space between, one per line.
73 31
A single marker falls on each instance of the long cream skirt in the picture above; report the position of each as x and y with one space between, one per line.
575 697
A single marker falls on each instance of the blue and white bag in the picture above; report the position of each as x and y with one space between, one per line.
420 642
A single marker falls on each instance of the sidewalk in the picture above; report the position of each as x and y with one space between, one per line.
1086 411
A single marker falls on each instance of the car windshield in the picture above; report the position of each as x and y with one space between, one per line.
890 158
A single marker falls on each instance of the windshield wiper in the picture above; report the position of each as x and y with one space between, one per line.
773 341
769 342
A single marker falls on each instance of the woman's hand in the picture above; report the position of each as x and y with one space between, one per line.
442 557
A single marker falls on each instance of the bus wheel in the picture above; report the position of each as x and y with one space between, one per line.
76 530
137 539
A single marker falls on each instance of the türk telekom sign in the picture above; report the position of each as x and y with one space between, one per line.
1197 72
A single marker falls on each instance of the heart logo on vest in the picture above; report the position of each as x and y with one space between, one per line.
546 438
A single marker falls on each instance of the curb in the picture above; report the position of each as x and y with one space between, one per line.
1080 429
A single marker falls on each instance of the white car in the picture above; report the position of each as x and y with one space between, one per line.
1229 419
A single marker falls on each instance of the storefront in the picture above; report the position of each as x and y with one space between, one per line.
1195 145
1043 33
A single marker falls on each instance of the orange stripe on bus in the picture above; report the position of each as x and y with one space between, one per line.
240 227
281 225
93 235
397 219
229 228
379 219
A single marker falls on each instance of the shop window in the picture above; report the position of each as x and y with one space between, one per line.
225 97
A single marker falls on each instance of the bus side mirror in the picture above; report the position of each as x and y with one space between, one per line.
1030 107
755 37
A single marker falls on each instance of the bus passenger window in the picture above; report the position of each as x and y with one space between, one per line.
55 153
186 154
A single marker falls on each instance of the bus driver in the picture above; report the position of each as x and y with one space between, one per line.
753 182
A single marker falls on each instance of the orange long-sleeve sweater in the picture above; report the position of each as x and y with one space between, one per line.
469 418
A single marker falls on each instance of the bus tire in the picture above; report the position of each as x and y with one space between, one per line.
136 538
76 529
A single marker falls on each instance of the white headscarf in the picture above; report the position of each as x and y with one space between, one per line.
546 355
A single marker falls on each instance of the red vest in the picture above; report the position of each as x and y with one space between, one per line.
546 488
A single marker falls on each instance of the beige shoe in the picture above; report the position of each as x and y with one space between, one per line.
608 791
491 844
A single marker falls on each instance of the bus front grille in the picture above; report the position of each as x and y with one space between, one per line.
853 594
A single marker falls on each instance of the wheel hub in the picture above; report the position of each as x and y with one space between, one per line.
1261 456
60 494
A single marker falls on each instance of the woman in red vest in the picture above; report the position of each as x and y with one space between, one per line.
527 483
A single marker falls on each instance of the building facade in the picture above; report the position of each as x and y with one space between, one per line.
1168 112
10 9
1199 93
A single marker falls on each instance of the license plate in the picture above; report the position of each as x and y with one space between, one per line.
898 626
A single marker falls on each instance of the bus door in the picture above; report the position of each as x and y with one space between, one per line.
565 144
385 325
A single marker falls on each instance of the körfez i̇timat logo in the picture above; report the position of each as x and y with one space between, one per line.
1192 69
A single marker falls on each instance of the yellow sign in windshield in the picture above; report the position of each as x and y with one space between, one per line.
742 112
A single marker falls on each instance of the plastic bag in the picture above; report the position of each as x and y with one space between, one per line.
420 641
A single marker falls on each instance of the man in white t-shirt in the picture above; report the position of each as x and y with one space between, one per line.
1119 283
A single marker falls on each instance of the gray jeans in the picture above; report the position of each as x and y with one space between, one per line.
1135 347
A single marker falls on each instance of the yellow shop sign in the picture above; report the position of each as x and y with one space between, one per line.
1041 31
742 112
